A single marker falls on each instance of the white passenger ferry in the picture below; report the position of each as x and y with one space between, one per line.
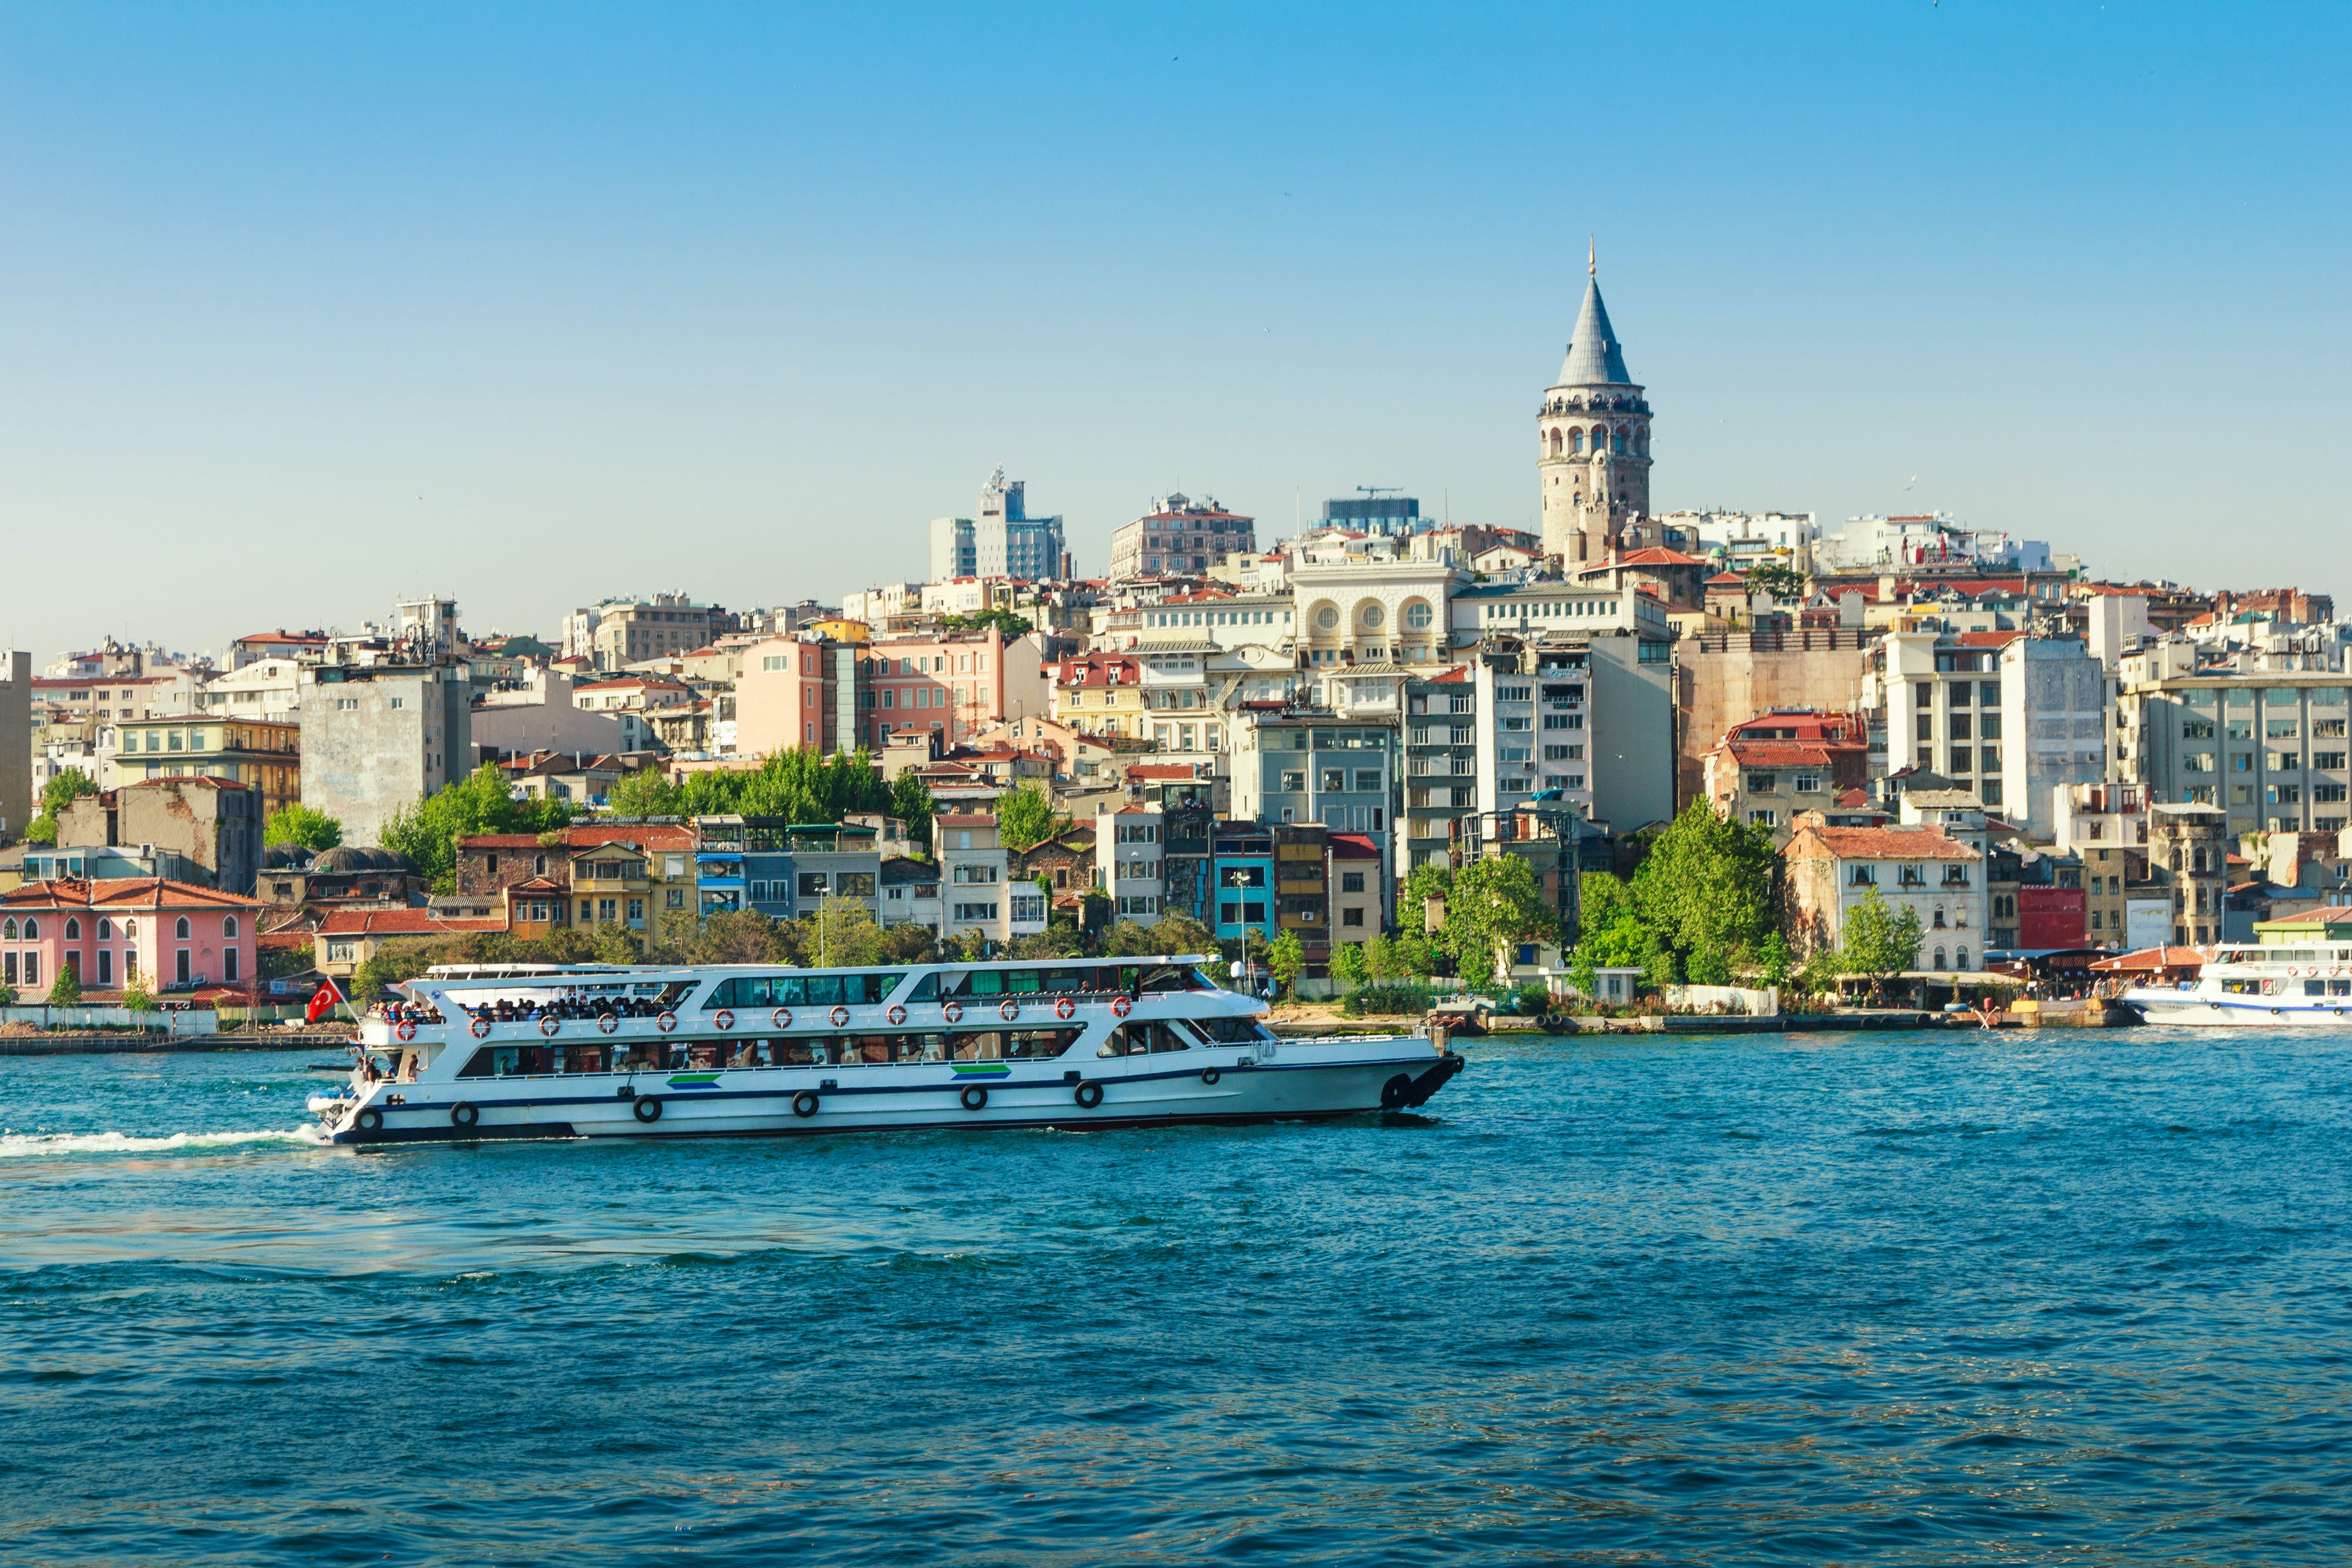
601 1050
2257 988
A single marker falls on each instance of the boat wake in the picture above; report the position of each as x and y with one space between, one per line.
20 1146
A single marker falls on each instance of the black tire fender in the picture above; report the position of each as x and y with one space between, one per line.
647 1108
1396 1092
974 1097
369 1120
464 1114
804 1103
1088 1095
1210 1076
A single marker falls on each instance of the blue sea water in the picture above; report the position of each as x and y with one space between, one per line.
1887 1299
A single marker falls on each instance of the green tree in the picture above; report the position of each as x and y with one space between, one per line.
912 803
1173 935
1494 905
65 991
307 826
1782 583
1025 817
1879 942
644 793
1774 962
1423 882
1011 623
1285 958
1348 964
1706 884
64 787
1709 966
427 833
1382 961
139 1001
1616 936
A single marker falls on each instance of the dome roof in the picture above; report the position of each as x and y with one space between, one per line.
285 857
351 857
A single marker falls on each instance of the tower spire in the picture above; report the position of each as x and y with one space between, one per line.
1591 258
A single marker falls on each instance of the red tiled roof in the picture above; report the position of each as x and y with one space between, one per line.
1654 555
1458 675
1353 847
965 819
1781 753
644 835
123 892
1988 639
397 923
1884 845
2152 958
1853 798
1161 770
2332 914
1722 578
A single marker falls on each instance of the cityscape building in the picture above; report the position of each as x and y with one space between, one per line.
1593 439
1179 537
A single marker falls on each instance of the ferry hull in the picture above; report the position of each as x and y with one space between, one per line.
752 1103
2197 1009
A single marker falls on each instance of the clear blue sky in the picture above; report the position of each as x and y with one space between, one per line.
302 307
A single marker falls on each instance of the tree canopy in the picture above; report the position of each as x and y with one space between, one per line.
1422 884
802 785
1706 885
62 788
912 803
427 833
1782 583
1283 960
1495 904
1011 623
1878 941
1025 817
308 826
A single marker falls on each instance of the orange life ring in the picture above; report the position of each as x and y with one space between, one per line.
407 1029
1008 1010
608 1022
549 1024
666 1022
481 1028
840 1016
898 1015
781 1018
724 1017
1121 1007
1065 1008
952 1012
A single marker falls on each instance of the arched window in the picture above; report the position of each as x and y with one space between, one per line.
1370 616
1939 959
229 926
1939 918
32 930
73 929
1642 440
180 928
1617 441
105 929
1326 617
8 931
1576 441
1554 444
1961 959
1418 615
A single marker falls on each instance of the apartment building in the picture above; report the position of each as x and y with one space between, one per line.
1441 766
213 821
2011 717
1776 765
1371 615
2267 747
1101 694
1001 539
265 754
618 632
974 895
1179 537
1829 869
1131 860
377 737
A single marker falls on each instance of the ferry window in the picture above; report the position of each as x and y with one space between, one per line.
1034 1043
926 989
1232 1031
983 982
807 990
2339 987
2314 988
868 988
1023 982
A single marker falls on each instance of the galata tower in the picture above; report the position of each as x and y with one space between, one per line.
1594 440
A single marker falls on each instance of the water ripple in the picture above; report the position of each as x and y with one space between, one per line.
1808 1299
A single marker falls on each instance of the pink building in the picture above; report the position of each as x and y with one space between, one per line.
113 932
842 695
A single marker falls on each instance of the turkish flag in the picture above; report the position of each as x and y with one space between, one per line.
322 1002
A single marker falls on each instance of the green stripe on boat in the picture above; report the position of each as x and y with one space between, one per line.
983 1069
692 1080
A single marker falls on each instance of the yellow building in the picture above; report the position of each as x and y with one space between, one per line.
264 754
1101 694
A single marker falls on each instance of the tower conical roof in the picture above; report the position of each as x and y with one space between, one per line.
1594 356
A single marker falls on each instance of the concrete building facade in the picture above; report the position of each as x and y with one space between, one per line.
378 738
